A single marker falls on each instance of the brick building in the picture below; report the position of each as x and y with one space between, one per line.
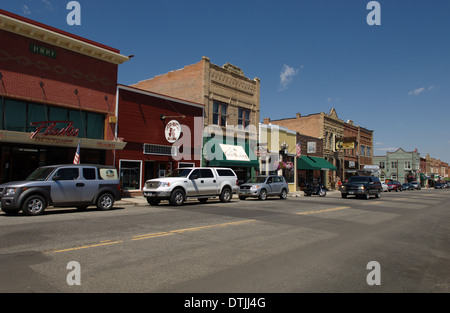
56 90
325 126
162 134
231 103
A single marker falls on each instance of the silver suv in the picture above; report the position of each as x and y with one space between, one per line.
62 186
264 186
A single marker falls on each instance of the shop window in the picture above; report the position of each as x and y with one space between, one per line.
130 175
17 116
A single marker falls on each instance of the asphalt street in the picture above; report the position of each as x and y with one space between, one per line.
302 244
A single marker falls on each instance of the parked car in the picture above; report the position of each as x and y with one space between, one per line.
362 186
407 186
201 183
439 186
394 185
416 185
62 186
384 186
263 187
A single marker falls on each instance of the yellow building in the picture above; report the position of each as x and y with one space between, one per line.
277 151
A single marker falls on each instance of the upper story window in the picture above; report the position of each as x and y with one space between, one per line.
220 113
243 117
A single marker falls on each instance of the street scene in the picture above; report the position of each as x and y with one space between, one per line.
300 244
224 147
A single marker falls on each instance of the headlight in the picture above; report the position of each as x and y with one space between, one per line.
10 191
361 187
164 184
255 187
343 187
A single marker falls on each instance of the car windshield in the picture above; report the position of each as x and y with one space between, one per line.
40 174
257 180
358 179
181 172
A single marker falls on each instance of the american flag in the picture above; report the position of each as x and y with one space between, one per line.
298 149
76 159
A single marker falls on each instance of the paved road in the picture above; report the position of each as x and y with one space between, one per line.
305 244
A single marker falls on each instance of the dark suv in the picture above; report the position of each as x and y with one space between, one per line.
62 186
362 186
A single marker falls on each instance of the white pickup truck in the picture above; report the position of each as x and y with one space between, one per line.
192 182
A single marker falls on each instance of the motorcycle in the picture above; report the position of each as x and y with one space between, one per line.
316 189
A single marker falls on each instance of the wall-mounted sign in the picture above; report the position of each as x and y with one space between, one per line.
48 128
173 131
43 51
234 153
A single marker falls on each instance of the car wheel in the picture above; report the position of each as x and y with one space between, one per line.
177 197
263 194
226 195
105 202
283 194
34 205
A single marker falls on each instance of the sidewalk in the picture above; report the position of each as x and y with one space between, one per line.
141 201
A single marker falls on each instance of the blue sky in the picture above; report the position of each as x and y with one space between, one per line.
311 56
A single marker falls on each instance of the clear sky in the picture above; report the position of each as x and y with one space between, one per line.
311 55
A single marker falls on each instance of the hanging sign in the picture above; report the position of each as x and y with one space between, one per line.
173 131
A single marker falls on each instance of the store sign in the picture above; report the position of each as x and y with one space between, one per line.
173 131
234 153
48 128
43 51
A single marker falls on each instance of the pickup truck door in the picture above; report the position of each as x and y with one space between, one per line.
191 183
207 183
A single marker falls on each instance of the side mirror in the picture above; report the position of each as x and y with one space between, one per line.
193 176
56 178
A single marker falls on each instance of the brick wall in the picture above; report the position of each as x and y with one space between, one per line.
23 71
186 83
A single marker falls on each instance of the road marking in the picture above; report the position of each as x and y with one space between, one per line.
324 211
90 246
153 235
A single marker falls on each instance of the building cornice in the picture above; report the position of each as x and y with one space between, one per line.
37 31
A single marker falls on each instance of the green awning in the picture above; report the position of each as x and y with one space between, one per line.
314 163
237 155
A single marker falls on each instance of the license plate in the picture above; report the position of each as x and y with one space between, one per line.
351 192
243 191
150 194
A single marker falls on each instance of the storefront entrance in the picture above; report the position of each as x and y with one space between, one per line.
18 161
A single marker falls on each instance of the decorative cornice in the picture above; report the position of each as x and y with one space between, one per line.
43 33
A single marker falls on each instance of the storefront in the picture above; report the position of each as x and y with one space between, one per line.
162 134
232 153
312 170
57 90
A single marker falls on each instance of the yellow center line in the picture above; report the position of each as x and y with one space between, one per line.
324 211
153 235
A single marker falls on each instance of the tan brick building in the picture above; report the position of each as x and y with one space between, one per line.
232 103
346 146
326 126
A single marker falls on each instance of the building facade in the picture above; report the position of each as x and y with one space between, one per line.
277 153
232 111
56 90
162 134
325 126
399 165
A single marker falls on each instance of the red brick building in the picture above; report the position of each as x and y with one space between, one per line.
60 85
162 133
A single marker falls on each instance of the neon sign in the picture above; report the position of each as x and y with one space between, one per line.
48 128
